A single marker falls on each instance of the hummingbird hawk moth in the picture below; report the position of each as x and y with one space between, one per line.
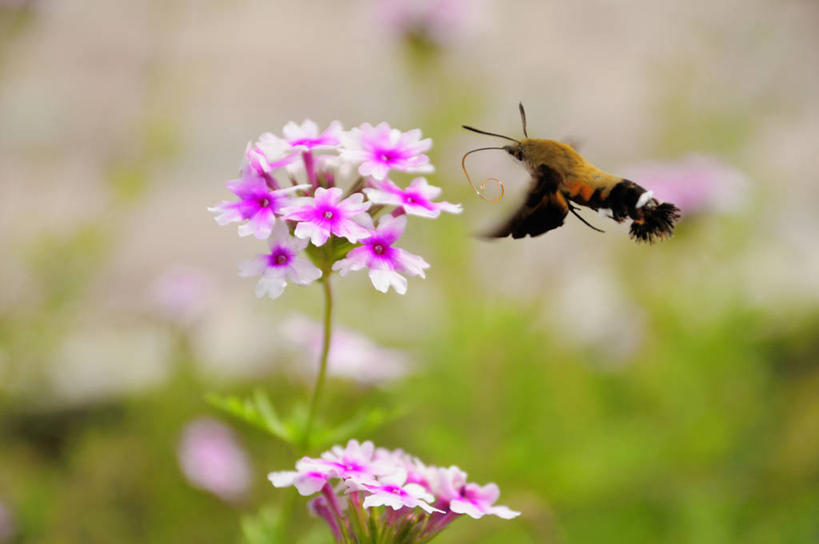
562 180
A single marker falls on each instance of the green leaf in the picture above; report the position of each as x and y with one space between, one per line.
257 411
324 257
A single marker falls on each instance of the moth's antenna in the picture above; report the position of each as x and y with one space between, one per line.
572 209
490 134
487 180
523 118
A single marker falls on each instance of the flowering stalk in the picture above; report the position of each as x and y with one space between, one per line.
314 228
325 351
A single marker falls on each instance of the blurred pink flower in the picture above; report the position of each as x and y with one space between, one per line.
181 294
7 530
213 460
433 21
380 149
695 183
352 355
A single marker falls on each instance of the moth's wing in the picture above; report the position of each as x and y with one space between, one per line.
543 209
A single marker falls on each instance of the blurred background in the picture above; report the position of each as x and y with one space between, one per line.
615 392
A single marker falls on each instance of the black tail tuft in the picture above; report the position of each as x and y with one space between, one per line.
656 224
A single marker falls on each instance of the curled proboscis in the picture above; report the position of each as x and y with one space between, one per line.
480 191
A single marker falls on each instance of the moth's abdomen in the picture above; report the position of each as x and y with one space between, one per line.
651 221
623 199
656 223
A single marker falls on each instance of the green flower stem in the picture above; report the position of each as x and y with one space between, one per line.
325 351
290 503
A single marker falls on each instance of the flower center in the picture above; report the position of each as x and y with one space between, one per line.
264 203
279 257
386 156
328 214
378 249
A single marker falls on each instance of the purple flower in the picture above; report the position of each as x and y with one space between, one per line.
306 137
284 263
417 199
385 262
417 472
301 138
695 183
380 149
354 461
260 163
258 205
321 507
393 491
212 460
467 498
326 214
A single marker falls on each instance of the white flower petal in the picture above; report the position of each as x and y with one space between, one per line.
302 271
271 284
252 267
460 506
382 280
282 479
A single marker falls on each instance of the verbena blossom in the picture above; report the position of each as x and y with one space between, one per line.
387 496
384 262
213 460
306 136
695 183
467 498
380 149
290 187
284 263
416 199
258 205
326 214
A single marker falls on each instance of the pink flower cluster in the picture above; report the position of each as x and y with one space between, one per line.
288 193
364 490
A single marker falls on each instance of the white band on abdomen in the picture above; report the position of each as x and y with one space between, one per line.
644 198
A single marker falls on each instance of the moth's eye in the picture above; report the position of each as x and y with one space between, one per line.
518 154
